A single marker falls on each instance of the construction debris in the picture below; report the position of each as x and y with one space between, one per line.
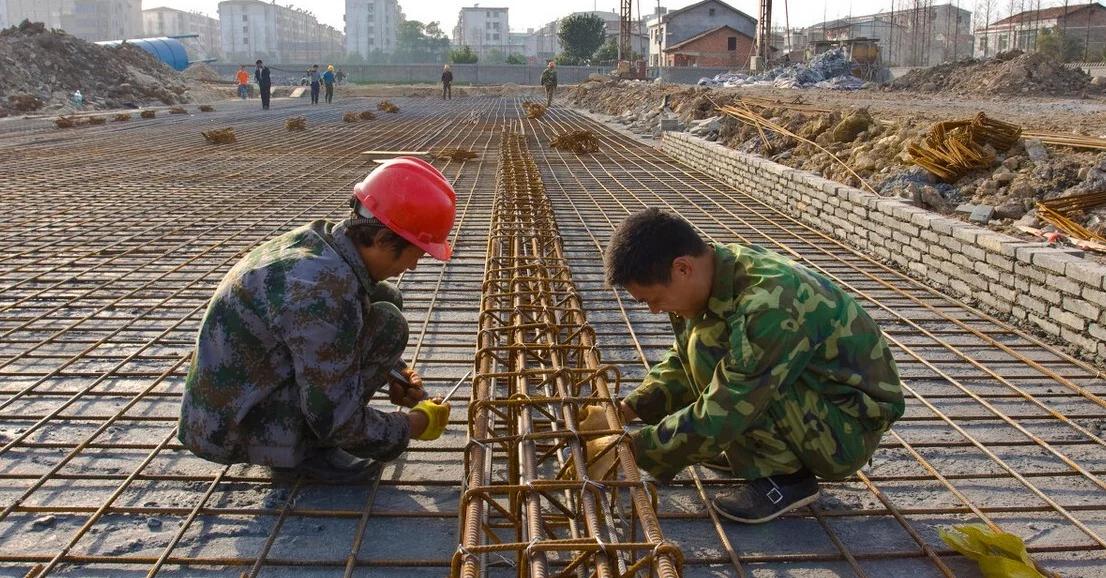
177 110
121 117
1065 212
453 154
955 148
998 553
96 120
533 109
1008 73
23 103
831 69
387 106
148 114
350 117
207 108
296 123
67 121
220 136
577 141
367 115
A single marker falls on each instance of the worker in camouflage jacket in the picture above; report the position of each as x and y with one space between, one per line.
304 331
777 375
549 81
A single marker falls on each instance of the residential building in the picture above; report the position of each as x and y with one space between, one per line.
172 22
544 43
253 29
371 26
483 30
913 37
717 32
1084 23
91 20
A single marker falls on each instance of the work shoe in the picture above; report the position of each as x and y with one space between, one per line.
332 465
718 463
765 499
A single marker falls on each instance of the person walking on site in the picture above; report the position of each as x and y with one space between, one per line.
447 83
315 79
777 375
264 83
328 81
549 81
243 79
304 331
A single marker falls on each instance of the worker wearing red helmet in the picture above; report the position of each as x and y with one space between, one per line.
305 330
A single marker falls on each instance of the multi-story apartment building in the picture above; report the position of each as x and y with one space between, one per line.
371 26
483 30
90 20
172 22
252 29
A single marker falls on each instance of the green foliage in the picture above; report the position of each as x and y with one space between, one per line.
608 53
1059 46
494 56
516 59
463 55
999 554
417 42
581 35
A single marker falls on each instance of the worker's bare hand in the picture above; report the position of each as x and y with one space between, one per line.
409 393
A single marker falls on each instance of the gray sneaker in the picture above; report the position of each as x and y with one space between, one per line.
765 499
332 465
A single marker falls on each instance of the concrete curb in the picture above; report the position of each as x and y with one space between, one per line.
1055 290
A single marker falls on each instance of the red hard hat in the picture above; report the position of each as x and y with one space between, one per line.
414 200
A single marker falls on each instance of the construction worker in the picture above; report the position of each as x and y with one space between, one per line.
447 83
315 79
549 81
264 83
773 364
304 331
328 80
243 79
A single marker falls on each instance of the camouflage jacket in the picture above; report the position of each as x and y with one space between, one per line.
769 324
281 355
549 77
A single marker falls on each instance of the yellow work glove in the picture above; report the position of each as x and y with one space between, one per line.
601 468
437 416
591 418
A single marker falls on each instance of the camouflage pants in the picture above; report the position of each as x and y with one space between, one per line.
802 429
549 90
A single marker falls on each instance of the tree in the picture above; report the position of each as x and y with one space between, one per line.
607 53
418 42
581 35
494 56
1056 44
463 55
516 59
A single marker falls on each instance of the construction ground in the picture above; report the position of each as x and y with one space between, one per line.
113 237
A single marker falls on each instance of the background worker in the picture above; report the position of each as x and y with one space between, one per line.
447 83
243 79
304 331
328 81
264 83
315 79
773 364
549 81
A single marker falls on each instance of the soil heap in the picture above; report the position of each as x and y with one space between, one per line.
1008 73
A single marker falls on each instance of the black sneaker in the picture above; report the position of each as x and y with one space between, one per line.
765 499
718 463
333 465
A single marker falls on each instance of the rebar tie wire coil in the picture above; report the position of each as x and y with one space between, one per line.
527 499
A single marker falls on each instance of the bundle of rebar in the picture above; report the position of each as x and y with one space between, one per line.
122 117
533 109
66 121
350 117
177 110
96 120
1060 212
954 148
387 106
367 115
453 154
148 114
220 136
207 108
528 498
296 123
577 141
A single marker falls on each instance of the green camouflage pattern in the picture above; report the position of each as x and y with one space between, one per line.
783 370
549 77
295 342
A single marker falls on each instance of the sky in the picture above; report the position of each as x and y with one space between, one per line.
530 14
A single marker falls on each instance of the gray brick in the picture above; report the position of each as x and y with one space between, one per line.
989 271
960 287
1084 309
1003 292
1045 293
1094 296
937 276
1053 260
974 252
966 234
1087 272
1000 262
1063 283
1067 318
1097 331
1033 304
1045 324
1029 272
992 241
1078 338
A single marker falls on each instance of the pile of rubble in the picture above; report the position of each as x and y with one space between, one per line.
42 69
831 69
1003 194
1008 73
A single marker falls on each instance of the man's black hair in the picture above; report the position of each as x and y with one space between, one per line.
363 233
642 249
258 62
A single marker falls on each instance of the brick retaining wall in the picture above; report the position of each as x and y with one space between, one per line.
1053 289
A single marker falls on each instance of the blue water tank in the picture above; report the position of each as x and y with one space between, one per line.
168 50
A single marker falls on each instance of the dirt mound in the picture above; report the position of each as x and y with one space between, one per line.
49 65
203 73
1009 73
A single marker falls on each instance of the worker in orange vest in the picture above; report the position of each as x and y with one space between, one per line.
243 79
